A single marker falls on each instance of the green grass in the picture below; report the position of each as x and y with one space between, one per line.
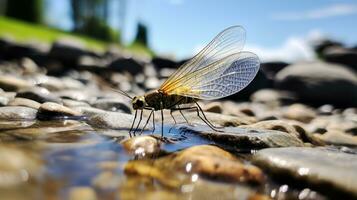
25 32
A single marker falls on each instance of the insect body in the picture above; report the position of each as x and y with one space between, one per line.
219 70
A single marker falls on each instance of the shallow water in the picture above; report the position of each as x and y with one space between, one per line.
72 158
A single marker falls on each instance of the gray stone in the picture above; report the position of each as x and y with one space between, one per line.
24 102
234 138
50 110
38 94
12 83
74 103
111 120
336 137
17 113
325 169
320 83
112 105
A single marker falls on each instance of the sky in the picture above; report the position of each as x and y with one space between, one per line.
276 29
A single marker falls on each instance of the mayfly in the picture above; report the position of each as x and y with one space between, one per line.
219 70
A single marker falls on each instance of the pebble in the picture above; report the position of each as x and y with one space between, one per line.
336 137
142 145
24 102
112 105
50 110
17 113
299 112
38 94
11 83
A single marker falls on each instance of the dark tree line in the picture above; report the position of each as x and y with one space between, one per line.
90 17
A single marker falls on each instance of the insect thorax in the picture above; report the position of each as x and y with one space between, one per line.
159 100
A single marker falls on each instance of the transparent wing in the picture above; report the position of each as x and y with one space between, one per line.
229 41
220 79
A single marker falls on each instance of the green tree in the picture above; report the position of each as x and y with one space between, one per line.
26 10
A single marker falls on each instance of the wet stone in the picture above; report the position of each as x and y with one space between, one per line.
38 94
17 113
50 110
24 102
74 103
329 170
214 107
220 119
236 139
3 100
142 145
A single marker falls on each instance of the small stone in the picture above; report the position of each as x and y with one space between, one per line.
4 100
24 102
53 110
29 66
299 112
277 125
112 105
81 193
11 83
214 107
336 137
38 94
74 103
17 113
142 145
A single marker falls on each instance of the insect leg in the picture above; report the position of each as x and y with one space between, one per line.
132 124
147 121
141 117
162 123
205 116
153 121
180 110
198 114
171 111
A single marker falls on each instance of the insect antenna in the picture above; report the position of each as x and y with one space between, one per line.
121 92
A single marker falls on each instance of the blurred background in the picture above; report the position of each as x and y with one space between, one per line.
150 39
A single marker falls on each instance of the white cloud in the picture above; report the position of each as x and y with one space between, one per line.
292 50
321 13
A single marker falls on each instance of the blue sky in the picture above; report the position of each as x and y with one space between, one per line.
181 27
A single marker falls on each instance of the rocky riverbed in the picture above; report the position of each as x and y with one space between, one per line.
64 134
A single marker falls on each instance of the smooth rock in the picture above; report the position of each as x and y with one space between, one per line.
270 69
341 55
299 112
106 180
126 64
336 137
29 66
24 102
203 160
271 97
288 127
320 83
234 138
38 94
17 113
214 107
112 105
142 145
333 172
4 100
50 110
73 103
12 83
111 120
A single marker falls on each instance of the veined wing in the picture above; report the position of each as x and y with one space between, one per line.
221 78
230 41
